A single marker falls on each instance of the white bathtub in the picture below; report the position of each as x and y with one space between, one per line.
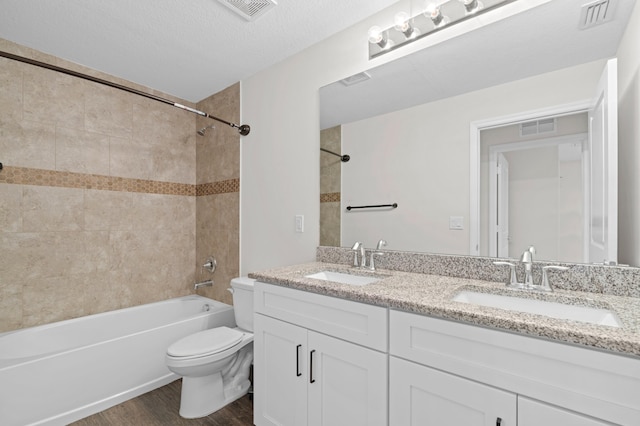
61 372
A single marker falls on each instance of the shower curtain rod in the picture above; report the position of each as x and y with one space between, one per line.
243 129
343 158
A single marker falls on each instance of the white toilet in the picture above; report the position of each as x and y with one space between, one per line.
215 363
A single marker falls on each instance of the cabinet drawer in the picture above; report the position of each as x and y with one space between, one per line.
599 384
355 322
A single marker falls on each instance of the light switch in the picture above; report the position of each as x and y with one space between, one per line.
456 222
299 223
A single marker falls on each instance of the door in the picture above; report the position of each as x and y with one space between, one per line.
501 209
280 385
347 383
602 218
422 396
535 413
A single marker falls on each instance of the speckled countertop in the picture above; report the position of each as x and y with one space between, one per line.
432 295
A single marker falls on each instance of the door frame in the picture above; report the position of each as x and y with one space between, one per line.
475 127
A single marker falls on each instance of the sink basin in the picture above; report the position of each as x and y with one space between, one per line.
586 314
343 278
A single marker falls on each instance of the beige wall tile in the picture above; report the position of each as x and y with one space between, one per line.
10 208
108 210
10 304
53 98
27 144
53 299
52 209
11 89
82 152
108 111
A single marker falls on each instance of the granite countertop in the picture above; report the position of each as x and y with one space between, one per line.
431 295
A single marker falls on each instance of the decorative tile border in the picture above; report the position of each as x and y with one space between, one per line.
330 197
220 187
40 177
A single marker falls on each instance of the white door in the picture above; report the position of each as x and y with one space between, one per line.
347 383
280 373
535 413
499 206
422 396
503 206
603 149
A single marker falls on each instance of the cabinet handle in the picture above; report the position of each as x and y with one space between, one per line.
311 379
298 372
498 421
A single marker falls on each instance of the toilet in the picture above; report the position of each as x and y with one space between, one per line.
215 363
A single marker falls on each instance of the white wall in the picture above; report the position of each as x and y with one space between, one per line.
419 158
629 142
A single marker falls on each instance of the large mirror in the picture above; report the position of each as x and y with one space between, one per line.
408 127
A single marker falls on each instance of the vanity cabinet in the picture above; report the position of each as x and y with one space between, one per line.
419 395
307 368
440 369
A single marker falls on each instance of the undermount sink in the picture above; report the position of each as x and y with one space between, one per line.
557 310
343 278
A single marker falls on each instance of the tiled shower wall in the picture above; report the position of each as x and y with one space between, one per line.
98 200
330 181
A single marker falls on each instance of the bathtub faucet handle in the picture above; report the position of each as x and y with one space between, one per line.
211 264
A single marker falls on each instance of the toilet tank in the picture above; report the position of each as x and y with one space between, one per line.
242 289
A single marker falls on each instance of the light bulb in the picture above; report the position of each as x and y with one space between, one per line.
375 34
471 6
434 13
403 25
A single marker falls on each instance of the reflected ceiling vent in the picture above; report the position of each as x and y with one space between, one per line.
595 13
249 9
356 78
547 125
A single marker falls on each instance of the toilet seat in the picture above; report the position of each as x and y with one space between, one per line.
205 343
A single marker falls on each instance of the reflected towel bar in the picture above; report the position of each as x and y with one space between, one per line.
394 205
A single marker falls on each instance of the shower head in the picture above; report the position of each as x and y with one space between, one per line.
203 131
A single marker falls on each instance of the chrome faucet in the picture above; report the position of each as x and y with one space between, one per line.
202 284
358 248
527 260
372 264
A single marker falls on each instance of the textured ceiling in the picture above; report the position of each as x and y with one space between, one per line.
189 49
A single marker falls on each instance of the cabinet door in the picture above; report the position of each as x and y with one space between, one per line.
534 413
280 379
347 383
423 396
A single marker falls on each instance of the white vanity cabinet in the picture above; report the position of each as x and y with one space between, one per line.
318 360
441 369
420 395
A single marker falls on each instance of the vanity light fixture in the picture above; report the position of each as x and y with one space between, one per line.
435 16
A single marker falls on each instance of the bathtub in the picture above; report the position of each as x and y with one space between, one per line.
61 372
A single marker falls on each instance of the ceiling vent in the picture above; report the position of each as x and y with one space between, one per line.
249 9
355 79
595 13
547 125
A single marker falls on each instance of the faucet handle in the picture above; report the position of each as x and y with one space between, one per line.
513 279
356 247
545 285
381 244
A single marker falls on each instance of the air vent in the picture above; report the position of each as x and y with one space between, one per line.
249 9
355 79
547 125
595 13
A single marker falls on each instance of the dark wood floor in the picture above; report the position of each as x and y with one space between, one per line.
160 407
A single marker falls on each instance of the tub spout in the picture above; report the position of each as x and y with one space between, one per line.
202 284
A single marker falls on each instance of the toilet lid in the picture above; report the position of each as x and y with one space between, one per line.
205 342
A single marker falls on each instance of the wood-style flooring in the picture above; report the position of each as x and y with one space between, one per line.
160 407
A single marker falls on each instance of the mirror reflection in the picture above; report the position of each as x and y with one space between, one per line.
413 148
